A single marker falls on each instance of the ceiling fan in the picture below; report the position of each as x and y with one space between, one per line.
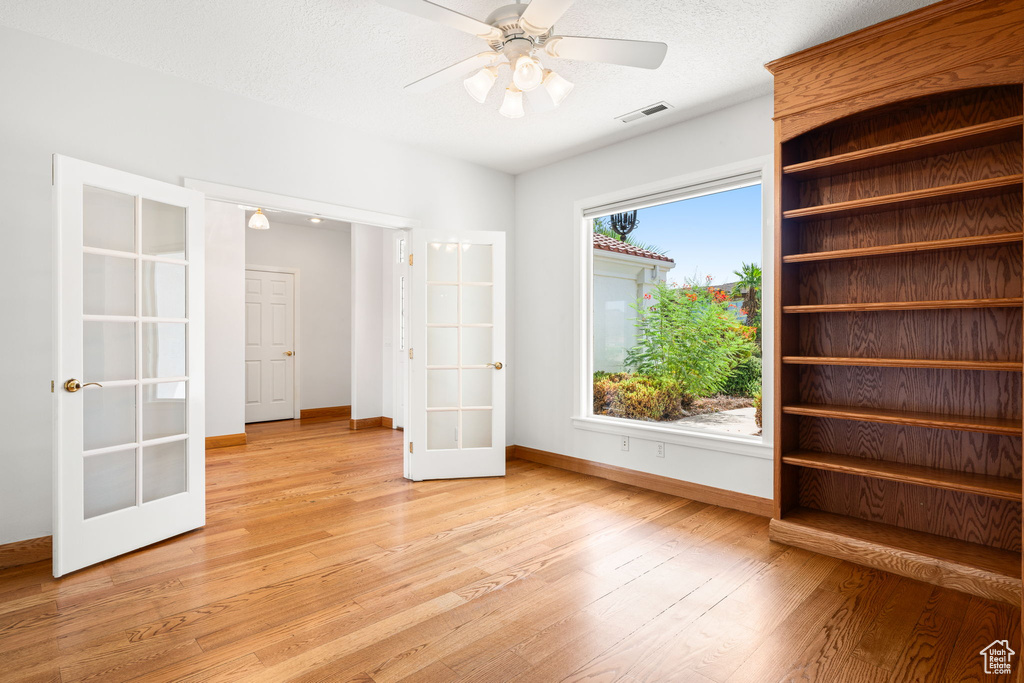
517 34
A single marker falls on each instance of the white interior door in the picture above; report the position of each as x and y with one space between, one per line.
269 346
457 387
129 452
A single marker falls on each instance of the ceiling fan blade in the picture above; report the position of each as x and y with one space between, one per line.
443 15
540 100
639 53
541 15
453 72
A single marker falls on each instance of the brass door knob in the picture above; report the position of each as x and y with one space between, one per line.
289 353
74 385
496 365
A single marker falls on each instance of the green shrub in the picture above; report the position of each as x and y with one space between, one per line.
757 409
638 397
745 379
689 336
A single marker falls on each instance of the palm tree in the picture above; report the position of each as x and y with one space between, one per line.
749 276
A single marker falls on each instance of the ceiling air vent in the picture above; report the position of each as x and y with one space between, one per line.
649 110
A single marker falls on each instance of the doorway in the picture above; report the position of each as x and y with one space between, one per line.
298 326
270 355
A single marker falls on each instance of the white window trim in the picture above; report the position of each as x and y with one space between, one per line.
704 182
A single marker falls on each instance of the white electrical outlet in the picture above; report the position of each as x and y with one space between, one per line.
661 450
625 443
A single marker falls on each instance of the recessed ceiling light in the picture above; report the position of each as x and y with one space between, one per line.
315 220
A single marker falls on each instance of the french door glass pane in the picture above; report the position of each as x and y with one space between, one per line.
476 263
163 229
108 285
442 346
163 410
476 428
109 482
163 350
443 262
442 427
163 470
163 290
477 345
108 351
108 416
476 388
442 304
476 305
108 219
442 388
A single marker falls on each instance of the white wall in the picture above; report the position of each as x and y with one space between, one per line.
323 257
58 98
367 322
225 319
544 282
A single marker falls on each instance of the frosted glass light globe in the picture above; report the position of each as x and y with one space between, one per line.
512 106
528 73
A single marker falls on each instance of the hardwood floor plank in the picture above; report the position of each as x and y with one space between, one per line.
320 562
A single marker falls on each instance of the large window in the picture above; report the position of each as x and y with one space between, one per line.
676 320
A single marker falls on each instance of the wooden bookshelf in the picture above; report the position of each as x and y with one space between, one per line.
990 365
969 567
953 480
908 248
915 418
1006 302
897 200
980 135
899 320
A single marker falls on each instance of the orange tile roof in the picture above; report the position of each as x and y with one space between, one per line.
606 243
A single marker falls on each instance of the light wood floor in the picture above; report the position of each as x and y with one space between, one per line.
320 563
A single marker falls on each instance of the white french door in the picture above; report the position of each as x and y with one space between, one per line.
129 448
269 345
457 384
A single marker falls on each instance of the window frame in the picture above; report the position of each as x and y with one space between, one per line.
759 170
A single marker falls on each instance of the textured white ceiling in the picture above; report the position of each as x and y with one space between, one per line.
347 60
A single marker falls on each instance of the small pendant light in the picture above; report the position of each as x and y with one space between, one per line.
259 221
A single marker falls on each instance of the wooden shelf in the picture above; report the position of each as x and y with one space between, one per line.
985 485
987 425
969 567
890 202
992 365
981 135
909 247
1010 302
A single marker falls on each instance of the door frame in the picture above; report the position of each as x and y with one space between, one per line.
231 194
400 269
297 358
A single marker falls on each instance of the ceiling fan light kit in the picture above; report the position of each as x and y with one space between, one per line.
480 83
515 34
512 105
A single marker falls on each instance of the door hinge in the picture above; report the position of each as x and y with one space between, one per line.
410 353
51 386
410 259
410 446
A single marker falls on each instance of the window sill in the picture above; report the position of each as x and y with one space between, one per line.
750 446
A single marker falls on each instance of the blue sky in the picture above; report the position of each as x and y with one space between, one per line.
709 235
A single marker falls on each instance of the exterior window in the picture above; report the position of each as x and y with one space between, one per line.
676 317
